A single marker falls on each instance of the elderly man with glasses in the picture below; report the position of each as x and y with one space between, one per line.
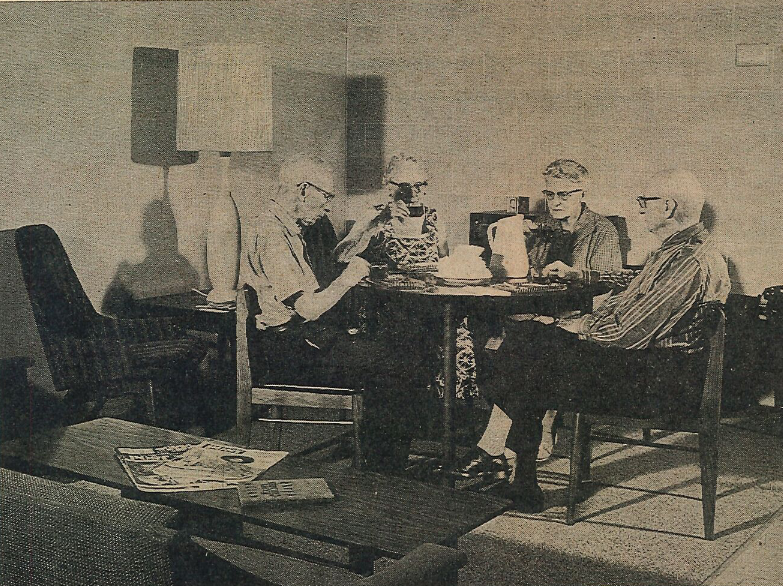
301 303
590 361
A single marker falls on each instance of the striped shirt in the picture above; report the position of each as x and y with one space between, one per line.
660 307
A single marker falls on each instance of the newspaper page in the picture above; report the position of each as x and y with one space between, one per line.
209 465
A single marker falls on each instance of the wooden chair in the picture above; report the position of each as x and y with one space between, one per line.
278 395
706 425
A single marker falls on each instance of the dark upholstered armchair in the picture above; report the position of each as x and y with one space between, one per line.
56 533
74 348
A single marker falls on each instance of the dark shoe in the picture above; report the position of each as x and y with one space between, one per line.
478 464
527 499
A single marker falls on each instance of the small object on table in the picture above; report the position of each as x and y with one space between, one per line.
530 287
209 465
300 490
401 281
457 282
418 268
463 267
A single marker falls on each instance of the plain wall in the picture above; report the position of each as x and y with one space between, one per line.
490 91
65 112
487 92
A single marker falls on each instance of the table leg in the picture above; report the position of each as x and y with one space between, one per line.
449 390
361 560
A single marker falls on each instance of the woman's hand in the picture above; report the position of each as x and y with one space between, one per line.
395 209
561 270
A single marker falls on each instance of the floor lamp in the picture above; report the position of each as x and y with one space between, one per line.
224 105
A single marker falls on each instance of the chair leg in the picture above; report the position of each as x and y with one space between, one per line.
276 412
708 461
151 390
586 455
357 413
581 435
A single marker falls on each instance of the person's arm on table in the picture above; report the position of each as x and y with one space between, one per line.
312 305
633 319
617 279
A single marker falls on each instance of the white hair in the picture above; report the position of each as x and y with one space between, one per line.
683 187
404 169
302 169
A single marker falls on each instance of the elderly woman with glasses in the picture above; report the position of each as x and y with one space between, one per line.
569 237
402 232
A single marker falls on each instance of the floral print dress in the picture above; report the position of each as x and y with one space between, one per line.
400 251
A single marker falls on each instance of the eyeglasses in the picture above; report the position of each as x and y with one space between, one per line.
642 201
563 196
406 185
328 195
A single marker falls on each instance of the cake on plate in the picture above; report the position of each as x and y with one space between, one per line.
465 263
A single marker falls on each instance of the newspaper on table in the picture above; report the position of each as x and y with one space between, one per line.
209 465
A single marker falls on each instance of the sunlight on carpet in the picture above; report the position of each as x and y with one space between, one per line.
628 532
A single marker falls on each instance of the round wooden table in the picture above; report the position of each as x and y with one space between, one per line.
456 302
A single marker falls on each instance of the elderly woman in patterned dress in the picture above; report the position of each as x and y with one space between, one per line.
404 234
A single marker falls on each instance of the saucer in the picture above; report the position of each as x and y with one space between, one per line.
456 282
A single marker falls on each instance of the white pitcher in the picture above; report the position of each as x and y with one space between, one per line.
506 238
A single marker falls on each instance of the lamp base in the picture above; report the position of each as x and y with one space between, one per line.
222 296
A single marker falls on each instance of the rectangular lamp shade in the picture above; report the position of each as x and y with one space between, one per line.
224 99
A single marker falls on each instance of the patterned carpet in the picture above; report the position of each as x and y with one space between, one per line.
630 531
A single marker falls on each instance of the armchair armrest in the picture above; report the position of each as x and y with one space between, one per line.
427 565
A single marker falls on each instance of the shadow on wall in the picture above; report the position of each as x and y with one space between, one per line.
163 271
365 102
708 216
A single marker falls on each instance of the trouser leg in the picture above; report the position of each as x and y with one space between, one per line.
528 374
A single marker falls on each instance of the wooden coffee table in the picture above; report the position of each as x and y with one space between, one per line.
372 515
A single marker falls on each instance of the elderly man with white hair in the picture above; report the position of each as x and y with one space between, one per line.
596 361
300 303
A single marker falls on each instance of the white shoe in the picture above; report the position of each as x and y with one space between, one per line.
547 446
511 460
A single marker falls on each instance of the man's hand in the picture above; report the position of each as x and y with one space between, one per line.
273 314
357 269
573 325
561 270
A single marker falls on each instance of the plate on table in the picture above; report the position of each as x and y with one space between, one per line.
401 281
416 268
456 282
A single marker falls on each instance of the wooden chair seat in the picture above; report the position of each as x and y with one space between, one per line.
279 395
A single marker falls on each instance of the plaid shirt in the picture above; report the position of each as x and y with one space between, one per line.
661 306
593 245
